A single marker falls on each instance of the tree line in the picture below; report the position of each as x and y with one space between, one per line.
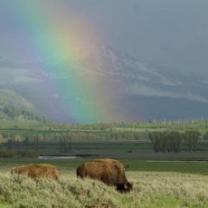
62 143
174 141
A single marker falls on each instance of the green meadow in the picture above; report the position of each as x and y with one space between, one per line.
190 167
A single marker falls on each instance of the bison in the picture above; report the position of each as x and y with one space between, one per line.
37 171
109 171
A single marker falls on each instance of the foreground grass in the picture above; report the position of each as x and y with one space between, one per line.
151 190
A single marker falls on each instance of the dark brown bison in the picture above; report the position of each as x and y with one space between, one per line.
37 171
111 172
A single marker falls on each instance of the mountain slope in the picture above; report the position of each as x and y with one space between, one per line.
15 107
143 91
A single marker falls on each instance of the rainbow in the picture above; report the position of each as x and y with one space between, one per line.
57 41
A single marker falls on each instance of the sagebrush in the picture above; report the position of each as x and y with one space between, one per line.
162 190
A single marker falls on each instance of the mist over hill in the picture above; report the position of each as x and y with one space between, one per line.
154 53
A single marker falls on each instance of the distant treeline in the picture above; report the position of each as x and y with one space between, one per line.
75 136
22 119
173 141
24 145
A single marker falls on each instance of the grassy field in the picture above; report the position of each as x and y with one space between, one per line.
157 184
193 167
151 190
130 150
161 180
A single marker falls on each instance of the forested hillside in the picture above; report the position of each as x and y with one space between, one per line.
14 107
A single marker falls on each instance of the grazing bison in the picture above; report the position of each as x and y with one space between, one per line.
109 171
37 171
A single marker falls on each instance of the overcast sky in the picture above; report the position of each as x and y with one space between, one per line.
164 32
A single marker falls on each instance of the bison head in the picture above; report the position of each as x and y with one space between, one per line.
124 187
